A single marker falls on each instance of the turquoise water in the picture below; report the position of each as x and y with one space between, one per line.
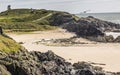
112 17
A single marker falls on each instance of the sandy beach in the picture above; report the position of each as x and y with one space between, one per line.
106 53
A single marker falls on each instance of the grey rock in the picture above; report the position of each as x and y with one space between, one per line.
37 63
117 39
3 70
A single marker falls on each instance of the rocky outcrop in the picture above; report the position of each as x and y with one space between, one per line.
85 68
60 18
117 39
37 63
34 63
73 41
83 29
88 26
109 39
100 24
69 22
104 38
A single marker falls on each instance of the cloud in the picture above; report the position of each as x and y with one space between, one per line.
73 6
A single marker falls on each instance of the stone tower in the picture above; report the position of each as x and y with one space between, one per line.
9 7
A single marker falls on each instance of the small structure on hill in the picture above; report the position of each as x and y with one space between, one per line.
9 7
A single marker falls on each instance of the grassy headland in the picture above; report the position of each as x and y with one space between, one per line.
26 20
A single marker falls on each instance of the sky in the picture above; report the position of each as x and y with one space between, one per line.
72 6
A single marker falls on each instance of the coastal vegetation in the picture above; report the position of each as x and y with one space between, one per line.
26 20
8 45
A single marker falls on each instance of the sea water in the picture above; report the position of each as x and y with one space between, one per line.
111 17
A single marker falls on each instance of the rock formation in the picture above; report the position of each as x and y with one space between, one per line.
89 27
37 63
117 39
1 32
102 25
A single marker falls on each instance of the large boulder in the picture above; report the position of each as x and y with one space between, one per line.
84 68
82 29
117 39
109 38
59 18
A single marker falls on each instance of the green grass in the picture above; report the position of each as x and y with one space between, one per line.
25 20
25 27
8 45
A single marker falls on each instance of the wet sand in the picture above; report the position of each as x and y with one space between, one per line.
106 53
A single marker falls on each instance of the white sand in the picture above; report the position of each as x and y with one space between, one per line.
108 54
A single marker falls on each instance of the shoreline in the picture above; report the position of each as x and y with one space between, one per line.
85 52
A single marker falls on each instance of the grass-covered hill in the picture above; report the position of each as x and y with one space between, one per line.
26 19
31 19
